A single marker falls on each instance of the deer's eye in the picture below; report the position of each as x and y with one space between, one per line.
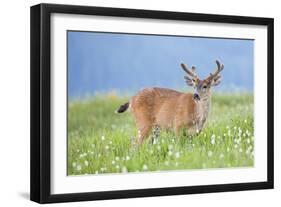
204 86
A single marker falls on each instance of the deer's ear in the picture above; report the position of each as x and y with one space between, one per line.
216 81
190 81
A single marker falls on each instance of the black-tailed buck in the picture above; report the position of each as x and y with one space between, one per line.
169 109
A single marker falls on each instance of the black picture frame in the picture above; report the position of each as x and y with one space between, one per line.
41 98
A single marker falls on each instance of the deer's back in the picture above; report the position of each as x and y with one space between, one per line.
164 107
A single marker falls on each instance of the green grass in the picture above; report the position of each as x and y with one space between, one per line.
99 141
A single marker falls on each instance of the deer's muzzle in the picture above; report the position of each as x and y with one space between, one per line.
196 97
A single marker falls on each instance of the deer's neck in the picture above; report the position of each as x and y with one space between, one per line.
203 110
205 105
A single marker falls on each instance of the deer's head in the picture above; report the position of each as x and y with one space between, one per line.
202 86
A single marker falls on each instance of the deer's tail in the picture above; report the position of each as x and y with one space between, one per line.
123 108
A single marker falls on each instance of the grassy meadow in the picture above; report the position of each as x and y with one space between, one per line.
99 141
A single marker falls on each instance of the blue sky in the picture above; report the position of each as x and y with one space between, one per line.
102 62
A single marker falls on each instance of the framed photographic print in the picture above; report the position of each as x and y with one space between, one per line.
132 103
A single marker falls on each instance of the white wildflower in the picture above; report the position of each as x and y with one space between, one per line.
221 155
79 167
124 170
213 141
113 162
102 137
177 154
239 131
170 153
86 163
170 147
228 132
144 167
117 158
74 164
127 158
250 148
210 153
83 155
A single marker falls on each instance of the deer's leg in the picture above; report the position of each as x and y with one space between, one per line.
155 133
143 133
177 131
144 123
180 131
195 130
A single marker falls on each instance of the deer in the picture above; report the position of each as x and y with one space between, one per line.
163 108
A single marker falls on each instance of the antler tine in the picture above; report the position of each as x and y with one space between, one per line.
193 70
218 70
191 73
220 67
